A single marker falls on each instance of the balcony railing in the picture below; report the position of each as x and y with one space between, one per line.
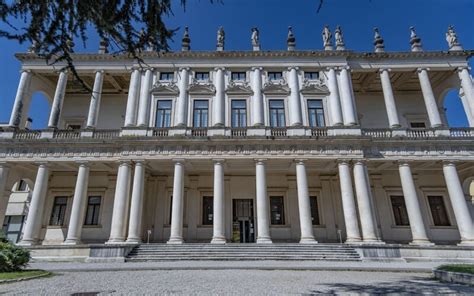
319 132
27 135
421 133
278 131
66 134
160 132
238 132
461 132
106 134
199 132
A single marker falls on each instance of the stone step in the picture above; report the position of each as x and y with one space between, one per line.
242 250
239 259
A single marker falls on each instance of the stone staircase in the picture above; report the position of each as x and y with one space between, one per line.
234 252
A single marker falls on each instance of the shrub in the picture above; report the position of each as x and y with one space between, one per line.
12 258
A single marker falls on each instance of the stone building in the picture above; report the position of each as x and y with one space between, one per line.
246 146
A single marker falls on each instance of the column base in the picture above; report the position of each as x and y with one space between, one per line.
29 242
133 241
218 240
115 241
372 242
264 240
175 241
466 243
72 242
308 240
421 243
353 241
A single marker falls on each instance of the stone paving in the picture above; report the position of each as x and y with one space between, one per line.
232 282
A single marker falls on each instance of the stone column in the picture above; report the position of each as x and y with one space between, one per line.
21 97
295 100
417 225
181 114
364 202
176 235
121 204
257 99
136 207
467 87
58 100
428 96
145 97
304 205
79 204
94 106
34 219
219 102
390 105
132 101
334 100
347 97
219 199
263 204
4 169
458 202
348 203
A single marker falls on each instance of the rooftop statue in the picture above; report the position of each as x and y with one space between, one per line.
415 41
339 38
220 38
327 38
378 41
291 40
452 39
255 39
186 41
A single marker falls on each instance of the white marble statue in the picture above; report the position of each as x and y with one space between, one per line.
255 37
326 36
220 37
451 37
338 36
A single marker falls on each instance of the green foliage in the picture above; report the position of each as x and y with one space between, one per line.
24 274
464 268
12 258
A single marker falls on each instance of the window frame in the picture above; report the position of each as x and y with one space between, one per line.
197 73
99 212
318 209
203 221
238 74
167 73
446 211
157 113
154 109
283 209
231 119
322 108
285 119
272 73
394 217
64 206
311 72
208 123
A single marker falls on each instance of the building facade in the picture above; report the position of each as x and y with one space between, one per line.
245 146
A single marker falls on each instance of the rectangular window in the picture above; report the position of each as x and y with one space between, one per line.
277 210
438 211
200 113
239 113
314 210
163 114
316 113
240 76
59 211
202 76
167 76
399 210
417 124
311 75
277 113
274 76
207 210
92 212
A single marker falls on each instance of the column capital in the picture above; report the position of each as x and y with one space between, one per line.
219 68
257 68
25 71
300 160
462 68
178 161
347 161
42 163
184 68
260 160
296 68
61 71
101 71
83 163
345 67
421 69
139 161
218 160
360 161
402 163
124 162
381 70
450 163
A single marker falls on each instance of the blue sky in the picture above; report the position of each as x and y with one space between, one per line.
356 17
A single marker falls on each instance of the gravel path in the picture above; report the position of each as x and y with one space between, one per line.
231 282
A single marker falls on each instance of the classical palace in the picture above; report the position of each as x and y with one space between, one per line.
289 146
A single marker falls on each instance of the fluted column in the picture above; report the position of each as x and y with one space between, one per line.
34 220
467 87
136 207
258 118
181 114
390 105
429 98
364 202
219 199
4 170
415 217
176 235
132 100
219 102
145 98
79 204
21 95
347 97
263 204
304 205
58 100
121 204
334 99
295 100
458 202
348 203
94 106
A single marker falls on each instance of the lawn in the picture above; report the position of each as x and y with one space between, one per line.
465 268
22 274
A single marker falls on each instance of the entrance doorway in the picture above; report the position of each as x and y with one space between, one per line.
243 227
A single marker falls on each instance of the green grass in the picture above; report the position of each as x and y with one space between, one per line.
465 268
22 274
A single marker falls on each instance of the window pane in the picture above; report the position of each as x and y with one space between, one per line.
207 210
274 75
438 211
399 210
163 113
166 76
311 75
200 114
277 211
59 211
316 113
238 75
93 210
314 210
202 75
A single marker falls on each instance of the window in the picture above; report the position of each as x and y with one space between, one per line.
438 211
417 124
277 210
207 210
274 76
241 76
200 114
313 200
12 227
277 113
92 212
202 76
316 113
163 114
239 113
59 211
399 210
73 127
22 186
311 75
168 76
